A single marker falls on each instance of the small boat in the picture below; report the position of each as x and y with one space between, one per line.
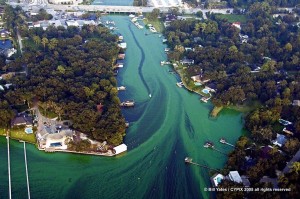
127 124
188 160
150 95
128 103
121 88
222 140
179 84
208 145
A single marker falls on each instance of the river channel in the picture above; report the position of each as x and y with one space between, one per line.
165 128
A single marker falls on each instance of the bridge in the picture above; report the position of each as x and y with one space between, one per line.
116 9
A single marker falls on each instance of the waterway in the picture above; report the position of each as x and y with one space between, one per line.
113 2
165 128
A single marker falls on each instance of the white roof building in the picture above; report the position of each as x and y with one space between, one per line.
235 176
216 179
122 45
120 149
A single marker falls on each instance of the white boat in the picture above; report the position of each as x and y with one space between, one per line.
150 95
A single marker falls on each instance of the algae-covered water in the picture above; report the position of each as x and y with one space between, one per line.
165 128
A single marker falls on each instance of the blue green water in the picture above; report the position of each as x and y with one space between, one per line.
165 128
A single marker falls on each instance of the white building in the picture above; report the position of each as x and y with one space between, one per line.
61 1
216 179
120 149
235 176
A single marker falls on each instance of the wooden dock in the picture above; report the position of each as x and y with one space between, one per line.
189 161
8 165
26 168
223 141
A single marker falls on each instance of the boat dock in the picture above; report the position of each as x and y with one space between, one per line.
8 165
128 103
26 169
205 99
223 141
189 160
179 84
162 63
210 145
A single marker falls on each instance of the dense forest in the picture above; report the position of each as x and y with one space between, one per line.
69 72
256 60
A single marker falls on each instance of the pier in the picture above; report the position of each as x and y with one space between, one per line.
223 141
210 145
8 164
190 161
26 168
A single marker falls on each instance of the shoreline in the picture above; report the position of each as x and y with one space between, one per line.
61 150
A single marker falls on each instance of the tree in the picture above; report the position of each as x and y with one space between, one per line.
288 47
7 114
45 42
154 14
53 43
37 40
292 146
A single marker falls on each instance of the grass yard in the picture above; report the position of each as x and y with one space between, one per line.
158 25
19 134
233 18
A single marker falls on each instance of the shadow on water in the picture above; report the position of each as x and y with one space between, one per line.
142 58
189 126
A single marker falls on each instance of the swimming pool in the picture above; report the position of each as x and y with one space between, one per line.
197 83
28 130
206 91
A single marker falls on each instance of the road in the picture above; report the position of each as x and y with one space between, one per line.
20 41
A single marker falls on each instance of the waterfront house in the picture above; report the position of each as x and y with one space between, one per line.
120 149
50 138
237 25
187 61
22 120
121 56
122 45
280 140
120 63
296 103
235 176
216 179
196 78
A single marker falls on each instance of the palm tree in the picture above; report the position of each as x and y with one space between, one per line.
37 40
45 42
53 43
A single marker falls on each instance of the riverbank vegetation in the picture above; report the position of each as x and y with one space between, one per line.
254 59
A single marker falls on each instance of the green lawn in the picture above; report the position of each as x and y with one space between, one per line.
19 134
233 18
158 25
